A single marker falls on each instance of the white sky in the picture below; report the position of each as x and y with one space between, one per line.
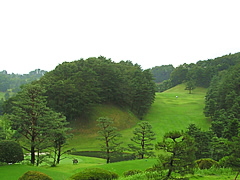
43 34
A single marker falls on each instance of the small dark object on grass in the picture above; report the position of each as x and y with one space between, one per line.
75 161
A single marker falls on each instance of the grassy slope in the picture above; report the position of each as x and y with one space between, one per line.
166 114
170 113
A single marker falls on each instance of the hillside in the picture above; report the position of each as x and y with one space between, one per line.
166 114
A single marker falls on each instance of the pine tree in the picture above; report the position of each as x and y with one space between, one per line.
143 136
109 136
180 154
33 119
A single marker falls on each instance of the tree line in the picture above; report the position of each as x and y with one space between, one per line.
73 88
14 81
199 74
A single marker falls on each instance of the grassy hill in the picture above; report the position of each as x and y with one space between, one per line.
166 114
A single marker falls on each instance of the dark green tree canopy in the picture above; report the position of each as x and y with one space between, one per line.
161 73
33 119
223 103
73 88
180 155
10 152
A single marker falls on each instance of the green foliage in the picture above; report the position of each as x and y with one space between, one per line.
207 163
161 73
14 81
165 85
109 136
222 103
202 139
179 74
143 136
203 71
180 156
37 123
34 175
190 85
94 174
131 172
74 88
10 152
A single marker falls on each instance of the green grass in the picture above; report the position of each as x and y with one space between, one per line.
166 114
170 113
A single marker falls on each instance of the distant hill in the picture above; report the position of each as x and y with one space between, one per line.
14 81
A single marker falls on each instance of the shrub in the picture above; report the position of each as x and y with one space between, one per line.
34 175
10 152
225 162
94 174
206 163
131 172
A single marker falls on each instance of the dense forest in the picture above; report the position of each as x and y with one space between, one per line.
14 81
73 88
199 74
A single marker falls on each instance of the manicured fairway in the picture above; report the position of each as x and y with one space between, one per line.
169 113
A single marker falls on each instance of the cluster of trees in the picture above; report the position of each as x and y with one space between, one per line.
199 74
39 128
37 115
222 103
14 81
141 146
161 73
203 71
179 147
182 148
73 88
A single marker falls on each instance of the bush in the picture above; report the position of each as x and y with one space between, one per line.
95 174
10 152
206 163
225 162
35 175
131 172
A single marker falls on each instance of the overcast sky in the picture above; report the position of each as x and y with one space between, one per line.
43 34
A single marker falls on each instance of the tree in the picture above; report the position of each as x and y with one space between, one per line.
233 160
109 136
190 85
180 154
202 141
10 152
161 73
59 139
33 119
143 135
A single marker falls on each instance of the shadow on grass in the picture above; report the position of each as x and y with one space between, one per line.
115 157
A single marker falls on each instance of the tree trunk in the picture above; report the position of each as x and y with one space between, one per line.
32 151
59 154
38 157
236 175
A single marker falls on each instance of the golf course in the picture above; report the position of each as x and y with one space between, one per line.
173 109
